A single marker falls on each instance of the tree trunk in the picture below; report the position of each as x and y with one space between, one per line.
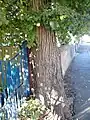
49 83
50 88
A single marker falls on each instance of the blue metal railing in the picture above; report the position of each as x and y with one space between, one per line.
10 109
15 82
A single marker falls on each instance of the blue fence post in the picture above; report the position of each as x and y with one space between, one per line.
21 78
26 70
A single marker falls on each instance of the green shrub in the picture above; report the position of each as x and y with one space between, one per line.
32 109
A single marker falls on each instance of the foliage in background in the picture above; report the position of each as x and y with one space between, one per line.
32 109
19 19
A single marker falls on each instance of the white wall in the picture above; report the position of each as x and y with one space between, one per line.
67 54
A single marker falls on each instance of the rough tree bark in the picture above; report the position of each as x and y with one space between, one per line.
50 88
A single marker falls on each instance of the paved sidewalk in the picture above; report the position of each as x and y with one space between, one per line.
79 75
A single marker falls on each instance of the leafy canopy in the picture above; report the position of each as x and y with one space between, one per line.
19 19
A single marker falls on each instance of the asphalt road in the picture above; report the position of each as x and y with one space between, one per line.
79 75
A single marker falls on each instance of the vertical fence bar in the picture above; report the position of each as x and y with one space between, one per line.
21 77
8 77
